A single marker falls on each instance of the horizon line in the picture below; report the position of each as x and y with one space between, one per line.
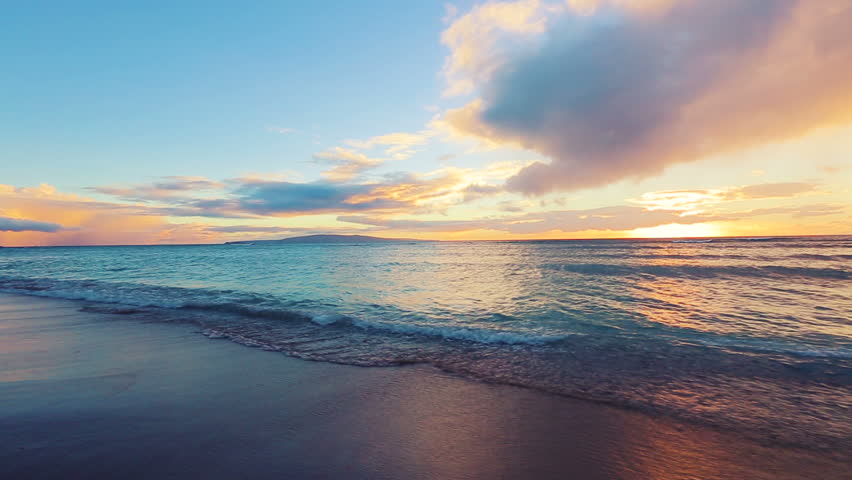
434 240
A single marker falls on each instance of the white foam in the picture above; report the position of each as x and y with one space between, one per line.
478 335
327 318
214 334
140 295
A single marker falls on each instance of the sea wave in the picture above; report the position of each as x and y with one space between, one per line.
814 256
699 271
249 305
623 370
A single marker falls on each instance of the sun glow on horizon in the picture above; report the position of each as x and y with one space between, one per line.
678 230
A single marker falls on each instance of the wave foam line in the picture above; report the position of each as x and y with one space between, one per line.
247 305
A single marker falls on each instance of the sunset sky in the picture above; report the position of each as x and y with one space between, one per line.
204 122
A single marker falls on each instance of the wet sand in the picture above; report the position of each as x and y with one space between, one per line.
89 395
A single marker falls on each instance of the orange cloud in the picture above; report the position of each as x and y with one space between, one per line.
348 164
84 221
695 200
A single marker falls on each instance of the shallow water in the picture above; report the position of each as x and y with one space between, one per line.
751 335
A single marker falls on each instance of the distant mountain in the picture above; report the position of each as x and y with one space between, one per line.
326 239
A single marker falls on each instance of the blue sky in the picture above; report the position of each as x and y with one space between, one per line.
107 92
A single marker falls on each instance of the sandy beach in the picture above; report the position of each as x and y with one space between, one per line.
91 395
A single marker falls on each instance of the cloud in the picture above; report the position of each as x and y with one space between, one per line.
379 203
397 141
351 161
255 229
398 193
417 225
23 225
615 218
261 232
682 200
507 206
167 187
398 145
63 219
182 196
774 190
477 191
285 198
611 90
348 163
282 130
803 211
834 169
450 12
696 199
479 40
178 183
819 210
54 218
250 197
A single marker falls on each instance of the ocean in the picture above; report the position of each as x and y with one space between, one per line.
749 335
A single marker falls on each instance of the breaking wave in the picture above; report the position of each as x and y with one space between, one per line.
249 305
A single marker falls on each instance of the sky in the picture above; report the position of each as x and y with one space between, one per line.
204 122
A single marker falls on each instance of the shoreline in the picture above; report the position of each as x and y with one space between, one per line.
106 395
756 397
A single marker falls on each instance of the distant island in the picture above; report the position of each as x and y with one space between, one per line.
326 239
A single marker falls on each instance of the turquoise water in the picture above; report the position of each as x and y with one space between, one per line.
753 335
